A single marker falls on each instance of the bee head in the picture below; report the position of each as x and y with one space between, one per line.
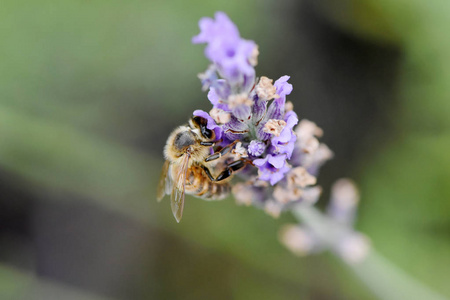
201 123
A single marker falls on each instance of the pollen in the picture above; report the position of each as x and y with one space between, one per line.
220 116
265 89
274 127
299 177
238 100
239 151
286 195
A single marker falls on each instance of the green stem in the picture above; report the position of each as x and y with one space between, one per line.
383 278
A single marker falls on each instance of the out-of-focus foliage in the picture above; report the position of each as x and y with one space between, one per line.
15 284
408 189
406 206
419 28
405 191
90 90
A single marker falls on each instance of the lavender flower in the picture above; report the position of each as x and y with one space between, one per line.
254 117
232 56
256 113
285 141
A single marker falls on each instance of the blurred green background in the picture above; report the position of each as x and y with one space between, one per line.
90 90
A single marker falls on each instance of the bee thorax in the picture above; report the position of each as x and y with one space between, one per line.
183 139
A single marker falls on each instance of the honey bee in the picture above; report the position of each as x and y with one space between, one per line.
190 166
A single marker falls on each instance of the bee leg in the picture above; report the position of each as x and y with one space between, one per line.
210 144
221 153
231 167
234 166
208 173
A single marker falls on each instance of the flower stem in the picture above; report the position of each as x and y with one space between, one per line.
382 277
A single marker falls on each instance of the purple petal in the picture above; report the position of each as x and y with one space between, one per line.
268 172
275 110
277 161
227 50
258 110
248 81
206 31
209 77
236 125
242 112
260 161
283 87
265 175
260 134
277 176
213 97
285 142
212 29
235 129
291 119
286 148
222 88
232 58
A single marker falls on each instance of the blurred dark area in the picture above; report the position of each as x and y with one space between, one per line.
89 98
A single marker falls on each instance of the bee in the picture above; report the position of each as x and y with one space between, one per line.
190 166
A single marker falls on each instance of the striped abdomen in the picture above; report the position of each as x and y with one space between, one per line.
198 184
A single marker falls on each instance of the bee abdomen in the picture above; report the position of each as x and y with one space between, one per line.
199 185
214 191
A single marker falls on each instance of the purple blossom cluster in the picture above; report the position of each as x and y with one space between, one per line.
253 116
255 112
233 58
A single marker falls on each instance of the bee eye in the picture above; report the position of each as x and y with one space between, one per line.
197 120
206 132
202 123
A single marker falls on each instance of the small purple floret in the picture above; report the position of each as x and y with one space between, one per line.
285 142
256 148
272 168
226 49
283 89
211 29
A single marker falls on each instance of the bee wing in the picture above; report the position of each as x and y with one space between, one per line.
169 181
164 180
178 189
